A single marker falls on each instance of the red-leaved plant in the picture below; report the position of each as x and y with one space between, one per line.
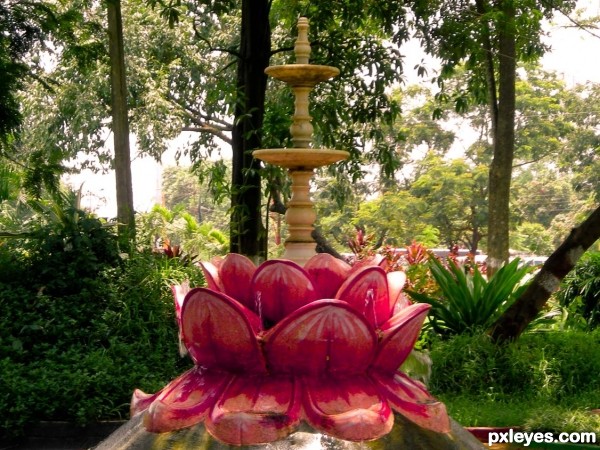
280 344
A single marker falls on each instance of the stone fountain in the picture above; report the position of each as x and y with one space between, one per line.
302 159
301 352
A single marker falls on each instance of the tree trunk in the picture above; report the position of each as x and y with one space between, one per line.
120 125
248 235
520 314
504 144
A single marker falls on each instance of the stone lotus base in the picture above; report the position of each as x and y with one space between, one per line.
405 435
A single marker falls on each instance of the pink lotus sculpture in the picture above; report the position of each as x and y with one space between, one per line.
280 344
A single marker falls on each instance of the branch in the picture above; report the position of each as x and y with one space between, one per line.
230 51
579 25
211 130
323 245
281 50
523 311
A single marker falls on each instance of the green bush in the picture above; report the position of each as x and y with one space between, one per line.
81 328
469 302
580 291
549 365
543 381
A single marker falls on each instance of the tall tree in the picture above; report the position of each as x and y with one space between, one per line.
247 232
489 38
120 124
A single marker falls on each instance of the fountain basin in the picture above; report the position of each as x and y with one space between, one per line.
302 75
300 158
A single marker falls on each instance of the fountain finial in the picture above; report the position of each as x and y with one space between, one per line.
302 47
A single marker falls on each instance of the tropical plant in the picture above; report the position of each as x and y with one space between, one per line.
580 291
468 302
323 342
177 227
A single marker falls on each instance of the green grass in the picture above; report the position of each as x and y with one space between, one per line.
543 382
532 414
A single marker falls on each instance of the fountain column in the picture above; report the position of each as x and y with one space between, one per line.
302 159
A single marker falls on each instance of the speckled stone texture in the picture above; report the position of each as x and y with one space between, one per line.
405 435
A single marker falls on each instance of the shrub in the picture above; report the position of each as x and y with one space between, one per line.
80 328
580 291
551 365
468 302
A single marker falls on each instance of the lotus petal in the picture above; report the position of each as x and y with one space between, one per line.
256 410
412 400
326 336
369 261
217 261
220 332
179 292
185 401
140 401
211 275
349 408
402 302
327 273
236 274
367 291
396 281
399 335
281 287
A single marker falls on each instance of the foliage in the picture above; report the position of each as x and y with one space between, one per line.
468 302
179 227
550 365
201 190
545 381
580 291
80 328
455 193
532 238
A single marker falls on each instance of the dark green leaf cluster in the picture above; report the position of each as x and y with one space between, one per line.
80 327
580 291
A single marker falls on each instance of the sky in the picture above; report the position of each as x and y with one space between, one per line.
574 54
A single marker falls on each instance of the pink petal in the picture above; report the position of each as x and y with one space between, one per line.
179 292
217 261
349 408
140 401
281 287
219 332
185 401
396 281
211 275
367 291
402 302
412 400
370 261
399 336
327 336
256 410
235 274
327 273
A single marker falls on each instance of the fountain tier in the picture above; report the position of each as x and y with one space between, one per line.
301 160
